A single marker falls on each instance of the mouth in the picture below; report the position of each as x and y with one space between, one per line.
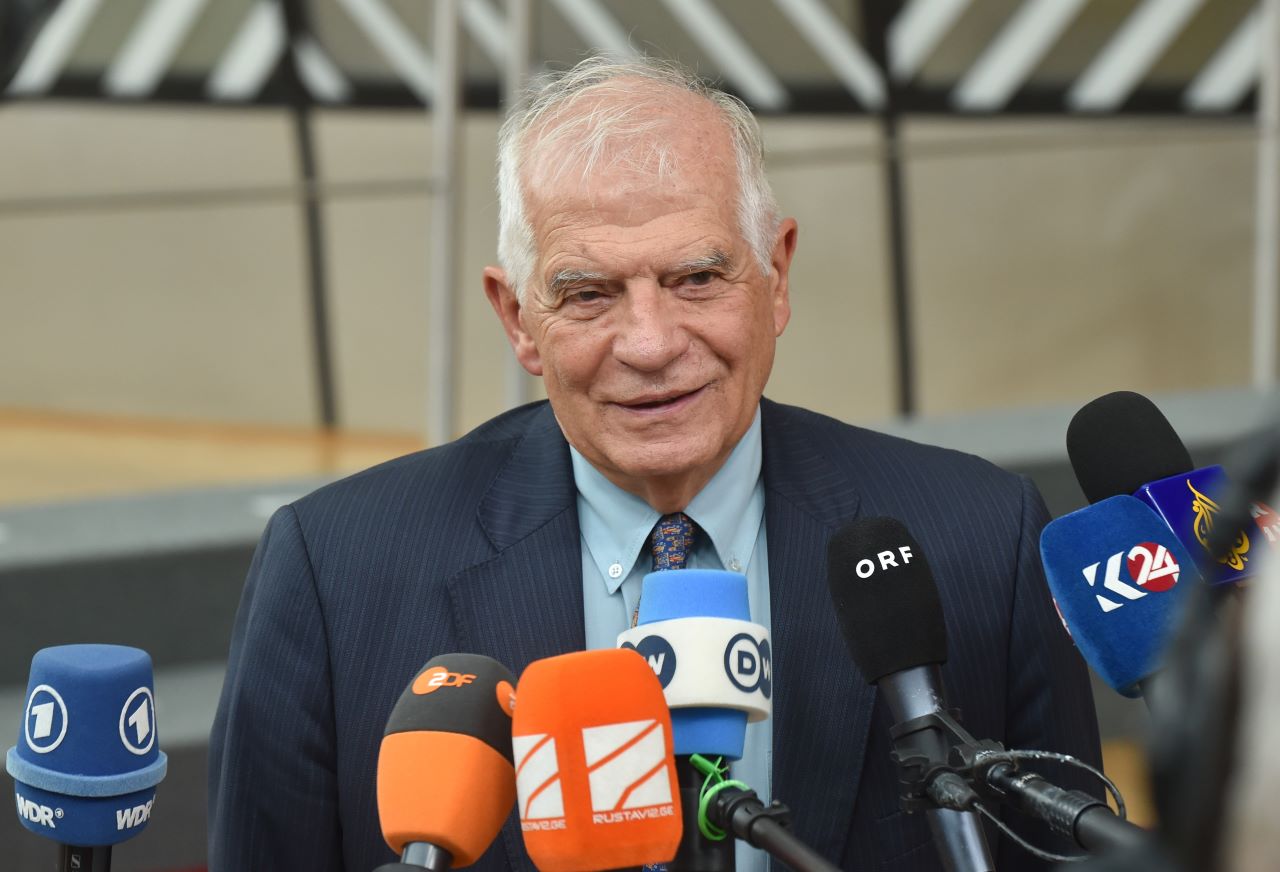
659 403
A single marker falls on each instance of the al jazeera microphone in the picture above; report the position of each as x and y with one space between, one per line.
1121 443
595 776
445 777
87 762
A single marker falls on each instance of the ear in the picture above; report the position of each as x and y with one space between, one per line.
783 250
503 299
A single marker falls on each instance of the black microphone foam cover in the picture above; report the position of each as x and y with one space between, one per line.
885 598
1121 441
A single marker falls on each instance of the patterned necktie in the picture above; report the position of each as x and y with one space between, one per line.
670 544
670 541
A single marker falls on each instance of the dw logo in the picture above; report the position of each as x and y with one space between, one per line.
660 655
1149 565
749 665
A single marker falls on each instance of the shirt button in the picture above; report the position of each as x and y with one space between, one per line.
734 565
615 571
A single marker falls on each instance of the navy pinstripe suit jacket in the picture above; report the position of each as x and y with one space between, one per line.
474 546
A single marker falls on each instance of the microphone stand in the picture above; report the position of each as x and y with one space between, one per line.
737 810
418 856
983 769
765 827
88 859
697 853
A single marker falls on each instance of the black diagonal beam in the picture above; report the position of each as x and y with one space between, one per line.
876 18
297 25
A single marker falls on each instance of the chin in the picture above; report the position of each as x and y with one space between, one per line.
667 459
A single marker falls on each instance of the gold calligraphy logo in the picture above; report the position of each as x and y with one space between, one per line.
1205 509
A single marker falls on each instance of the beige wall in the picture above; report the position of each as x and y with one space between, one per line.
1052 261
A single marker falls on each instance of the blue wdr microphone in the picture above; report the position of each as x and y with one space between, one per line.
87 760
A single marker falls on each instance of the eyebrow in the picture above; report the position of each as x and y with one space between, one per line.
717 259
564 279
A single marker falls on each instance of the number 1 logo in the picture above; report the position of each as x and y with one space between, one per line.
46 724
137 722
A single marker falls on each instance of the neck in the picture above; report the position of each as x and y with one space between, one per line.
668 493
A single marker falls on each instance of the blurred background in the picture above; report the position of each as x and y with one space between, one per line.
241 244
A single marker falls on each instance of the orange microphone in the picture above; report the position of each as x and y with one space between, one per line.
595 775
446 781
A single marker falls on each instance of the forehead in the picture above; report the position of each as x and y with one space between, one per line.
667 186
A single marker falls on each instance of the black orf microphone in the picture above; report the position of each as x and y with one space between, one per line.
889 611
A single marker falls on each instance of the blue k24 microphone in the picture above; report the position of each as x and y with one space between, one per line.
87 760
1119 576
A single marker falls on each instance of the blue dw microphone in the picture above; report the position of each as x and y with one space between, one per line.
1119 577
87 760
715 667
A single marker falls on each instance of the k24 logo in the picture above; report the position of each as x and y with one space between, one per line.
1149 568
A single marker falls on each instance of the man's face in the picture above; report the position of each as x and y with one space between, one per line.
648 316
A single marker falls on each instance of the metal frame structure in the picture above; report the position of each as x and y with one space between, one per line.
276 58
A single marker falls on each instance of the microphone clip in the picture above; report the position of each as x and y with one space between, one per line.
924 780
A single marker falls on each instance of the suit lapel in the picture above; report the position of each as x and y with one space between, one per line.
525 603
822 707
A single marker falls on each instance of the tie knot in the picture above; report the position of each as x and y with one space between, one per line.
671 541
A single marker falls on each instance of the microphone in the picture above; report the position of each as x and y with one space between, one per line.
1121 443
446 779
891 615
87 761
715 667
594 773
1119 577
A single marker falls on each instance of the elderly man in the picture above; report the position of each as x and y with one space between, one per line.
645 278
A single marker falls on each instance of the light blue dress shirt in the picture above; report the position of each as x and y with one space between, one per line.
615 558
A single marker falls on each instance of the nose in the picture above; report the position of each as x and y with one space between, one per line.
651 334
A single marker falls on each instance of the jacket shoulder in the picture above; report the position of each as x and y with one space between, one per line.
432 494
880 458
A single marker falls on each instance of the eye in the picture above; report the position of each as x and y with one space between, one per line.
586 295
705 277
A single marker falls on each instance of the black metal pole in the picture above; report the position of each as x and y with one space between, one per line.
297 26
84 858
877 15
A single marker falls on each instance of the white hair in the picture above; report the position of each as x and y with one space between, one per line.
618 127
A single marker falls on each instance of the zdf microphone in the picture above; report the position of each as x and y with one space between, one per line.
595 774
87 760
446 780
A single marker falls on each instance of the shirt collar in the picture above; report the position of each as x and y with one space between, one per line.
616 524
